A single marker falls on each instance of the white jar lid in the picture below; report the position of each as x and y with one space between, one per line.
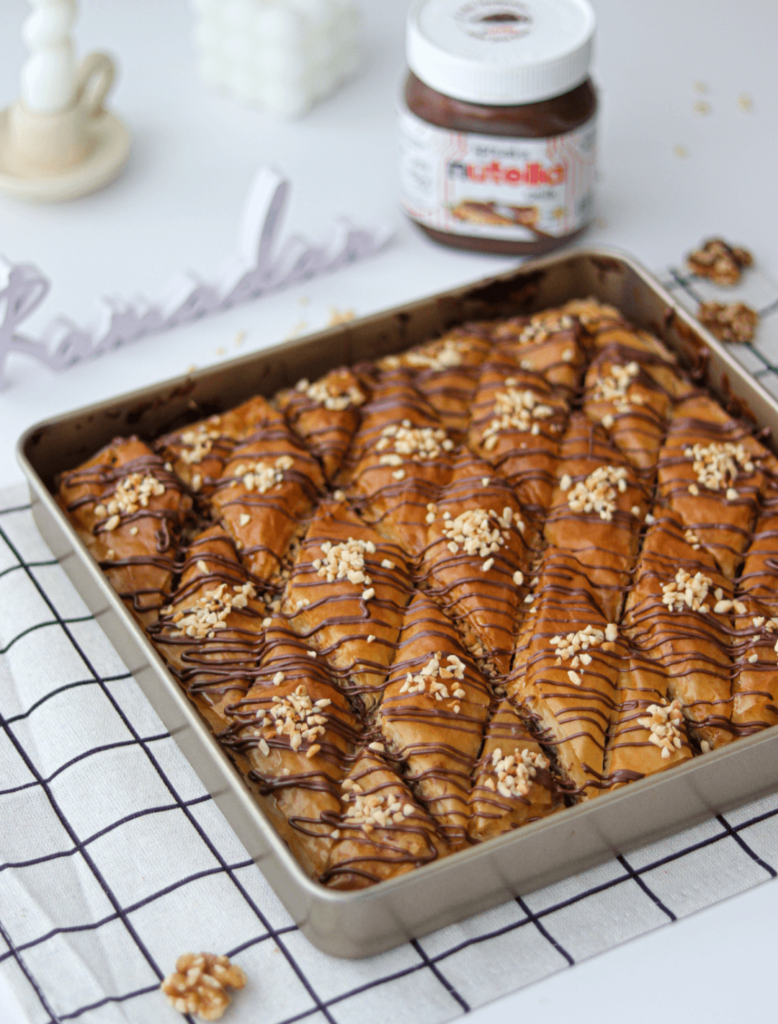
500 52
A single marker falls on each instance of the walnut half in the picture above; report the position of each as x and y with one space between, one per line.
199 984
733 321
719 261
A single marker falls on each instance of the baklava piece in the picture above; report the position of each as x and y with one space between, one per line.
325 414
129 510
446 371
677 614
199 452
268 489
597 511
547 343
516 425
568 662
382 832
478 551
432 715
292 735
346 597
648 732
759 573
710 474
512 783
211 633
755 650
405 459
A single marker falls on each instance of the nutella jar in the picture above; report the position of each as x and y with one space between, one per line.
497 123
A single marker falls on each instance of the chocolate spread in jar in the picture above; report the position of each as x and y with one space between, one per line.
497 123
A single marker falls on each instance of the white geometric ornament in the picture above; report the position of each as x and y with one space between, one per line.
262 264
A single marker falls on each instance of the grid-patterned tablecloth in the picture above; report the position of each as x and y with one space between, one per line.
114 860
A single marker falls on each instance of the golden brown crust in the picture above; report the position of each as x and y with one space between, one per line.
199 451
478 550
326 414
596 511
383 830
547 343
523 794
568 661
266 491
432 714
129 510
346 596
516 425
671 617
710 474
211 634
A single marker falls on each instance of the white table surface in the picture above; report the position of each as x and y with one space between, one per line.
176 207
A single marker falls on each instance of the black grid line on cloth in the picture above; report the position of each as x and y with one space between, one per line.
535 919
43 625
18 959
641 882
440 976
33 565
62 689
146 812
746 848
171 788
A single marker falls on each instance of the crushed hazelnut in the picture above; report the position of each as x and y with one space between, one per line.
199 441
663 722
514 410
200 982
719 262
729 321
614 387
330 393
481 532
131 494
210 610
597 493
718 464
686 591
417 444
516 771
431 678
261 477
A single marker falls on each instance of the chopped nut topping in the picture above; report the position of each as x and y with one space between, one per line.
516 771
730 321
419 444
330 393
210 611
595 493
295 715
691 538
440 356
373 810
515 410
720 262
573 647
346 561
480 532
663 723
687 591
718 464
543 324
259 476
429 679
199 441
200 982
131 494
614 387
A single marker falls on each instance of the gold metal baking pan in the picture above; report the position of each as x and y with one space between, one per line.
358 924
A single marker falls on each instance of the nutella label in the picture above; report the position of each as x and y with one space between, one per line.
493 186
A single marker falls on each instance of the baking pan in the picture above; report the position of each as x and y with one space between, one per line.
362 923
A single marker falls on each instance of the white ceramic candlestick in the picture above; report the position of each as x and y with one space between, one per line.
58 142
49 75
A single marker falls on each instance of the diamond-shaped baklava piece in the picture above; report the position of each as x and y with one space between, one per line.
129 510
478 550
432 714
382 830
211 633
325 414
755 650
516 425
513 783
199 451
292 735
446 370
677 614
597 510
548 343
268 489
567 668
346 596
710 474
